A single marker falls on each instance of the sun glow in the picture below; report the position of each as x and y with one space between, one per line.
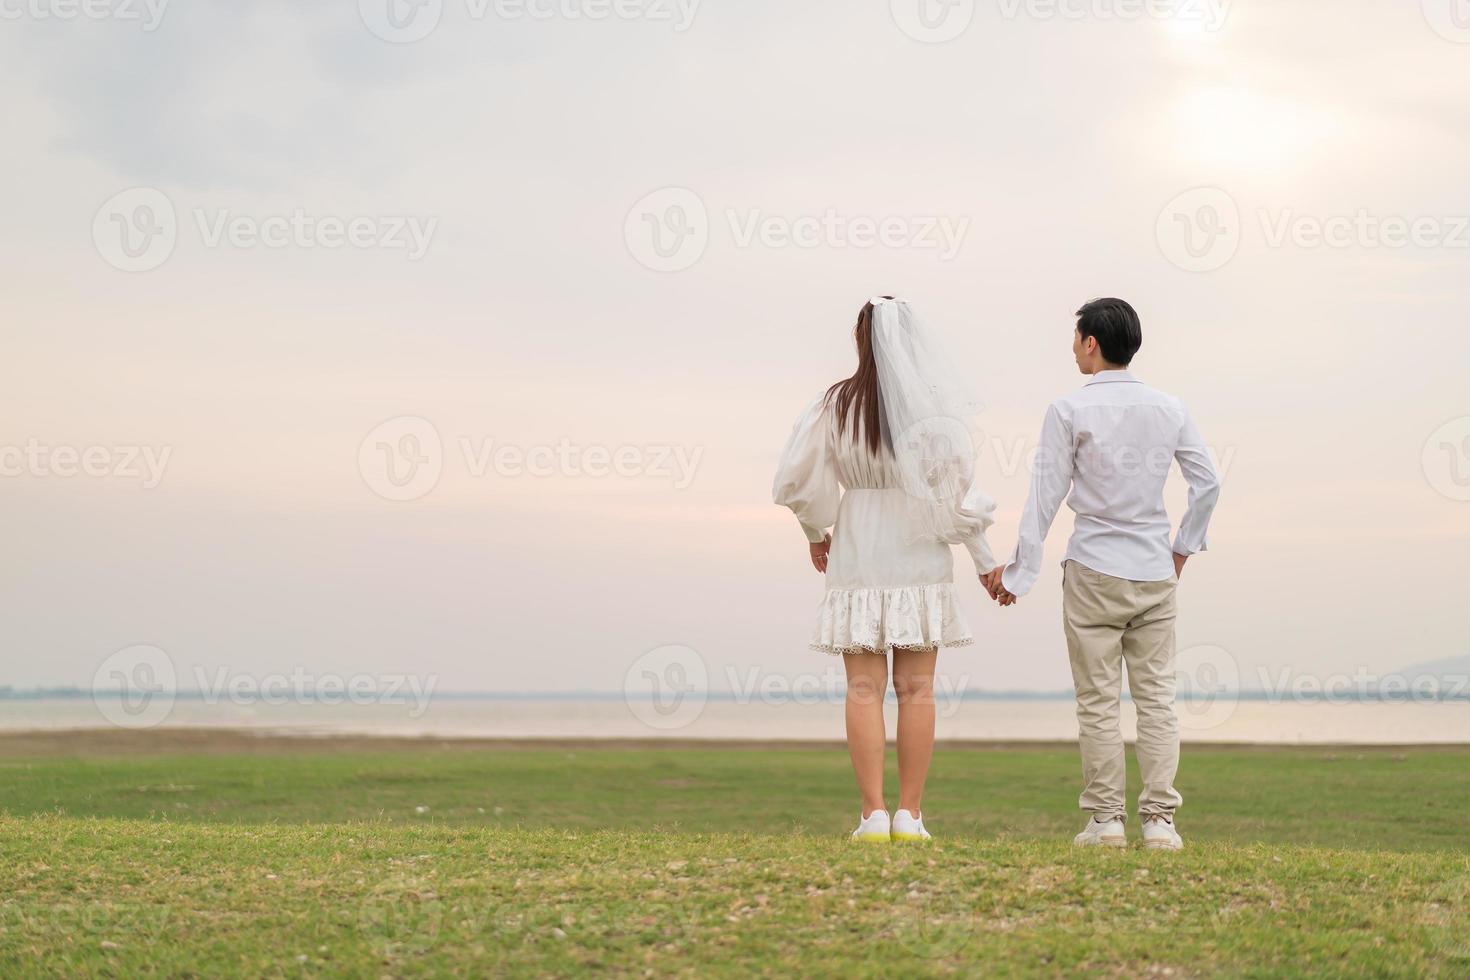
1235 129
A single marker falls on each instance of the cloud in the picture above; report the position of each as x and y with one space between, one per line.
221 96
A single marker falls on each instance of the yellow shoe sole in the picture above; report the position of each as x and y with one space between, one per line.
914 837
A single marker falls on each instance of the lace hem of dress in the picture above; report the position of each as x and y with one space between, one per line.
919 617
855 651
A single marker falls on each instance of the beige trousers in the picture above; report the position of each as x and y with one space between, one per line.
1110 622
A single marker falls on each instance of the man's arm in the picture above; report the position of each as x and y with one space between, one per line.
1051 478
1204 491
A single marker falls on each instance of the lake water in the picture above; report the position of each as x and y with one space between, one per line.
1289 723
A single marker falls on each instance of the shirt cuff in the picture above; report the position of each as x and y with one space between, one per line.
1180 548
815 535
1018 579
980 554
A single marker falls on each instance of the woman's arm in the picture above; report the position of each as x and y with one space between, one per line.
806 479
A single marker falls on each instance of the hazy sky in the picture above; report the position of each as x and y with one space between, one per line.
1314 318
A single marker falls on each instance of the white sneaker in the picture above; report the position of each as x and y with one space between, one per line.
1159 833
875 828
909 826
1102 832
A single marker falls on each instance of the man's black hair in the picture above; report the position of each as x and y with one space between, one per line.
1115 325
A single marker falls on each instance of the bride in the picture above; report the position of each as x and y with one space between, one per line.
894 436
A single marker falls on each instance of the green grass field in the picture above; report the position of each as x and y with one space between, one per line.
218 855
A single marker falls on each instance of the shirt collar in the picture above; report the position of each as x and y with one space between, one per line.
1112 377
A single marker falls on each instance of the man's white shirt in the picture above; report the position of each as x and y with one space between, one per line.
1111 444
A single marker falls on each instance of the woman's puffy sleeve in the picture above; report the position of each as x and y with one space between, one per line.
806 480
979 513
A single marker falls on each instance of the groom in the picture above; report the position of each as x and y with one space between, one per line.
1110 445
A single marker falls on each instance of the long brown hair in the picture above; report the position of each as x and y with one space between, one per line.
858 400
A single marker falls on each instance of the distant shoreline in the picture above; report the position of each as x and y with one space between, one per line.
234 741
731 697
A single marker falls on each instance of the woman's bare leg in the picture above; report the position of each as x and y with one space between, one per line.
913 682
867 685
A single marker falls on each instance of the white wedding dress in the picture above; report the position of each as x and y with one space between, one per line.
888 588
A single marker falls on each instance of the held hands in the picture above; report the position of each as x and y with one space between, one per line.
993 584
991 579
819 553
